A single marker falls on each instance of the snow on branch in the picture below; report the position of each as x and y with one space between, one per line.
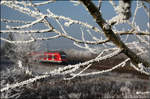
122 64
44 3
26 25
15 21
26 31
71 21
30 41
123 10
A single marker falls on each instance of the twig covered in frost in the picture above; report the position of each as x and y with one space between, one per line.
44 3
21 9
147 10
136 28
75 75
31 80
141 68
62 28
30 41
87 42
142 93
16 42
123 10
113 4
122 64
93 37
135 12
86 46
36 13
36 4
15 21
27 25
130 32
75 3
25 31
72 21
57 36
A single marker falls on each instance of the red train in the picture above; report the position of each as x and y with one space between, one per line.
49 56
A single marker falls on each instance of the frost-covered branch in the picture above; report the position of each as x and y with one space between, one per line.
122 64
111 35
123 11
26 31
44 3
15 21
27 25
147 10
30 41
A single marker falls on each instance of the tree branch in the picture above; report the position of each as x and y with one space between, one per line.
93 10
132 33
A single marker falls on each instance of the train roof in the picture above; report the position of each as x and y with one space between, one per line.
51 51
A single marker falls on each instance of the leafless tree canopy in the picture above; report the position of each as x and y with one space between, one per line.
132 41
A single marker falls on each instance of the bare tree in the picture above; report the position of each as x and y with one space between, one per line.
111 38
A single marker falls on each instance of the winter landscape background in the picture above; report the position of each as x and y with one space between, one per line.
122 82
